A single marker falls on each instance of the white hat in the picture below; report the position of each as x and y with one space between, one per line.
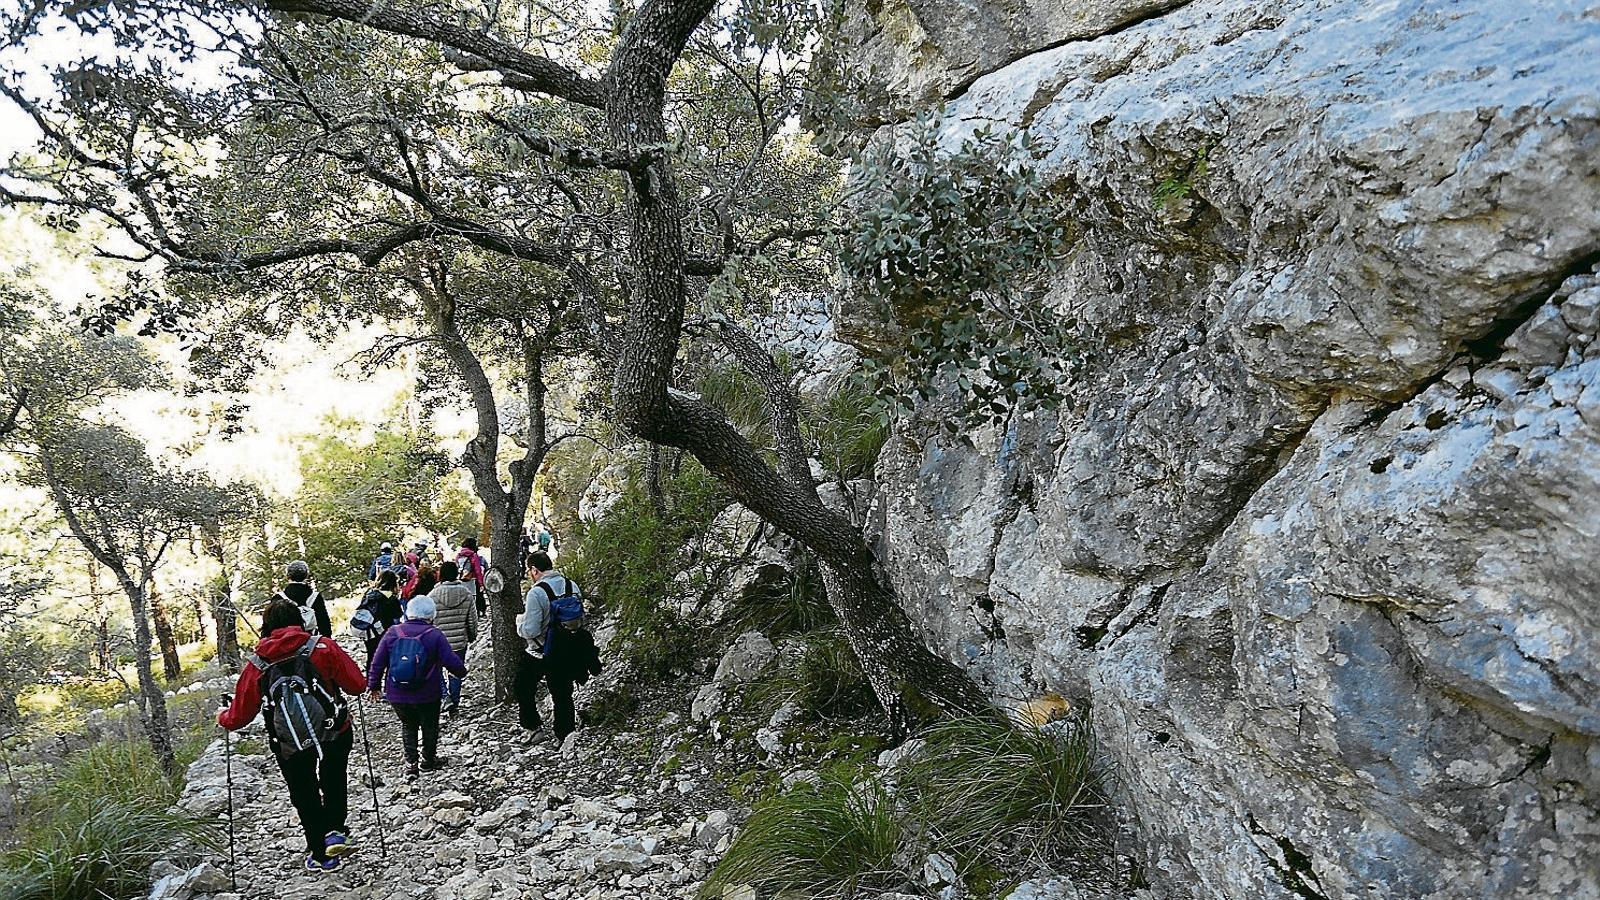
422 608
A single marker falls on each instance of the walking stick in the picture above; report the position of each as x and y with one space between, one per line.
372 780
227 758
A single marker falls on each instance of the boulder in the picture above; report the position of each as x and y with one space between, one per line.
1316 539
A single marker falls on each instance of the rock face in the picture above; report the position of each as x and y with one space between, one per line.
1317 541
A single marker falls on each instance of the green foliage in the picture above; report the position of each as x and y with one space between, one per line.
791 605
741 399
943 245
630 558
94 833
831 840
1177 186
849 428
356 491
824 679
986 789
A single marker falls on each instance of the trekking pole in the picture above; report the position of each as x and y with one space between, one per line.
372 780
227 758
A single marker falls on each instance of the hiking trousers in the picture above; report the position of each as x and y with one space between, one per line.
419 717
319 789
452 683
529 674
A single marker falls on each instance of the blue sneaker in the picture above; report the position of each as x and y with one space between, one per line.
338 845
322 865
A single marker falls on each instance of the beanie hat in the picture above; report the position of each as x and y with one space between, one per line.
422 608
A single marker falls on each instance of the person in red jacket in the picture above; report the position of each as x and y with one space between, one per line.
317 775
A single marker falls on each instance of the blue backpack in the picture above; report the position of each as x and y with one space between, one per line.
566 610
408 661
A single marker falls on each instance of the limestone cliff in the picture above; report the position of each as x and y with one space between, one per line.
1320 540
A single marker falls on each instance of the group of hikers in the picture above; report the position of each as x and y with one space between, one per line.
417 620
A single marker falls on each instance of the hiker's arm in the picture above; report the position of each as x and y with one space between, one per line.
323 622
346 671
246 700
449 659
380 662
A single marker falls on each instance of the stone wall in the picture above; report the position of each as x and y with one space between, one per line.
1318 540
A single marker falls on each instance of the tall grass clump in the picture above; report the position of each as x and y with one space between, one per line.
824 679
987 789
832 840
849 428
94 833
790 605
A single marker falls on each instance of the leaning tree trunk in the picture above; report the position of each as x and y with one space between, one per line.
172 667
906 676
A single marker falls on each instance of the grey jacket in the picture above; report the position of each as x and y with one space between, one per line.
458 612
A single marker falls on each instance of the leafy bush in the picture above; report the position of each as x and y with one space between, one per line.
986 789
944 245
629 560
830 840
94 833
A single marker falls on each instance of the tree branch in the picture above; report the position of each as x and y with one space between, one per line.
530 71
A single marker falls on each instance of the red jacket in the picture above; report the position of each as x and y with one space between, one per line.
329 658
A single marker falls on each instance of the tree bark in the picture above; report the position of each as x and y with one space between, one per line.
153 703
171 666
909 680
224 614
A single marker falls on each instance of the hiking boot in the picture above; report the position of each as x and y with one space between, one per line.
435 764
411 771
326 864
338 845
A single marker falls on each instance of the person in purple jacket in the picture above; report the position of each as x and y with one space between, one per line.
409 663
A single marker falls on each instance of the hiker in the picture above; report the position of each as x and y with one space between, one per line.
458 618
427 577
546 538
383 611
303 594
405 573
298 681
407 666
383 560
559 649
470 564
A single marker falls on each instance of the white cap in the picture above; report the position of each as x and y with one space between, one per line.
422 608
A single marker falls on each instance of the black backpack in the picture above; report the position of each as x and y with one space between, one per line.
301 712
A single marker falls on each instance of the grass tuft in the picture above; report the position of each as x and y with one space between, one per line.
830 840
825 679
95 832
791 605
987 789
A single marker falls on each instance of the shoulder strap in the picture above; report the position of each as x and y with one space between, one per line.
309 646
311 600
549 591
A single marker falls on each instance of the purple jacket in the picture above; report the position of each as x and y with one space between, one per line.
440 657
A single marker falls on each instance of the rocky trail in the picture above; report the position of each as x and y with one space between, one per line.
637 813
